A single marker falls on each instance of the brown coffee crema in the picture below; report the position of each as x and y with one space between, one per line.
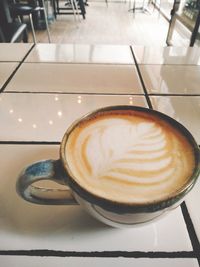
129 156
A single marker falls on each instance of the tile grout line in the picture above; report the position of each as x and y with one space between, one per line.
80 63
100 254
7 142
71 93
141 80
101 94
157 94
191 231
15 70
168 64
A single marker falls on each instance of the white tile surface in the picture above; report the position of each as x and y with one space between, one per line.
171 79
45 117
185 109
192 203
13 261
167 55
81 53
81 78
14 51
69 228
6 69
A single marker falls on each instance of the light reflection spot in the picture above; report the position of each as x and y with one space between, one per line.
59 113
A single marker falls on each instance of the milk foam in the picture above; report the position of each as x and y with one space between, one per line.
128 158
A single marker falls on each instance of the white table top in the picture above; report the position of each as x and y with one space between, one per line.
76 78
81 53
171 79
167 55
6 70
52 86
14 51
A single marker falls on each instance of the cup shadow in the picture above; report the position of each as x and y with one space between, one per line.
20 217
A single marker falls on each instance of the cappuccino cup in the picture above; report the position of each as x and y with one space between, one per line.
125 165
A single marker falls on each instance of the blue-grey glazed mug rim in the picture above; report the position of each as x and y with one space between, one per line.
119 207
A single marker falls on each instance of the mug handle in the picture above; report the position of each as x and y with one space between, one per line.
44 170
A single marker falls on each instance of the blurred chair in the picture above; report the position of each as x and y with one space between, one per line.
21 9
74 5
143 8
11 31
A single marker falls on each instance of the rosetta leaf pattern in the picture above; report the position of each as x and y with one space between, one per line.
126 149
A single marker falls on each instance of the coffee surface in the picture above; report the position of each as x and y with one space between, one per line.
129 157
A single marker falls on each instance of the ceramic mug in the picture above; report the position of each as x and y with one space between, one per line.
116 208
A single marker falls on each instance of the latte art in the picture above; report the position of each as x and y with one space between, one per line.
128 156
